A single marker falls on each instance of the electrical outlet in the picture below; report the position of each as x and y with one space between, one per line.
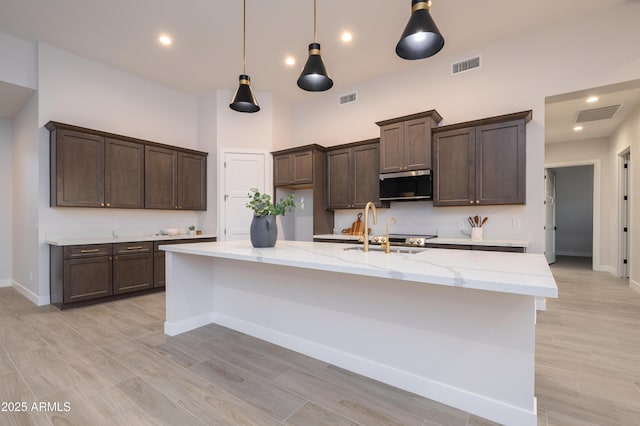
462 223
31 276
516 224
117 224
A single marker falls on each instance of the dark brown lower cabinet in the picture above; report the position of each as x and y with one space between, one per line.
88 278
477 247
159 271
132 267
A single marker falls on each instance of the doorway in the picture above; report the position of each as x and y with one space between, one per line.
571 210
239 172
625 215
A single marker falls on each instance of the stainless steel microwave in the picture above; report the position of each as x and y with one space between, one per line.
412 185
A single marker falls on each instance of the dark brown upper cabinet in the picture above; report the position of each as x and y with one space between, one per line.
192 181
161 178
90 168
305 167
124 174
353 175
77 169
405 142
481 162
293 168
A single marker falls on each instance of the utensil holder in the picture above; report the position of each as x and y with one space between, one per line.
476 234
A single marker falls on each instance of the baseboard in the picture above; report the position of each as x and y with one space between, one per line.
175 328
34 298
485 407
5 283
634 285
574 253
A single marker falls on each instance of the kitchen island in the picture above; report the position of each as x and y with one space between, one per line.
454 326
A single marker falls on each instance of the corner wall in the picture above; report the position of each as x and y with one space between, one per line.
628 136
6 209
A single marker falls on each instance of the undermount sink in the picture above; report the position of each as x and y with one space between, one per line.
401 250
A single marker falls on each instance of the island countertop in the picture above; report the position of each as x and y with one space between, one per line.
108 239
515 273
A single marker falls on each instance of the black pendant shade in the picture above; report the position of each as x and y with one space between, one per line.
243 100
421 37
314 76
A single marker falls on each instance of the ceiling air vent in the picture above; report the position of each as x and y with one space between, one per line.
348 98
604 113
466 65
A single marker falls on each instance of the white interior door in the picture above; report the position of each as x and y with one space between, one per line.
241 172
550 215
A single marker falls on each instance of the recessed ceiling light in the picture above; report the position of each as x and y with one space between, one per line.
346 37
165 40
290 60
578 128
592 99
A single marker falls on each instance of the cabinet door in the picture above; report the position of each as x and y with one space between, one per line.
159 272
366 175
78 170
417 144
132 272
124 174
282 170
160 178
86 279
392 157
454 168
303 167
192 181
500 163
340 179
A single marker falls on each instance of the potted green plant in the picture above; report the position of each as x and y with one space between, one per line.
264 231
192 230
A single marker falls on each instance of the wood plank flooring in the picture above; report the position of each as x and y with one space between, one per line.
113 365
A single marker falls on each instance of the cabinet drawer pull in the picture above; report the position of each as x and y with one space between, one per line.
90 251
470 201
135 248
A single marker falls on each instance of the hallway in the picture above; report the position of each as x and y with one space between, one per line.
588 349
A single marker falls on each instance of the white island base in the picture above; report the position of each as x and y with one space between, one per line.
465 347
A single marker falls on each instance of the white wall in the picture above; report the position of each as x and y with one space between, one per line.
516 75
6 177
81 92
628 136
26 172
19 59
574 211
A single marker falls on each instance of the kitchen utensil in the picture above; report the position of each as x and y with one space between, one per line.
358 226
471 222
476 220
484 221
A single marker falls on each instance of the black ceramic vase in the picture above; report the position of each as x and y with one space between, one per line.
263 231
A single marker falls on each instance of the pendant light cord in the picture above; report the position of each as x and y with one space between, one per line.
244 37
315 31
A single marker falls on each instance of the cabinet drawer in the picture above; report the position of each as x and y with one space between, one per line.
125 248
74 252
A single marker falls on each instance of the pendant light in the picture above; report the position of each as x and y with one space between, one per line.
243 100
314 77
421 37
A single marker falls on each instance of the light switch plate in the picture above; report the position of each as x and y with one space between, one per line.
516 224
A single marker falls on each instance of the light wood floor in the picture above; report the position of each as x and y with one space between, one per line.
113 365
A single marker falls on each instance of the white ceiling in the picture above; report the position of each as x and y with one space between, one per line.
561 112
207 50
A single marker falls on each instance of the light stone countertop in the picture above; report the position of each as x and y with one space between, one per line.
517 273
442 240
124 239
